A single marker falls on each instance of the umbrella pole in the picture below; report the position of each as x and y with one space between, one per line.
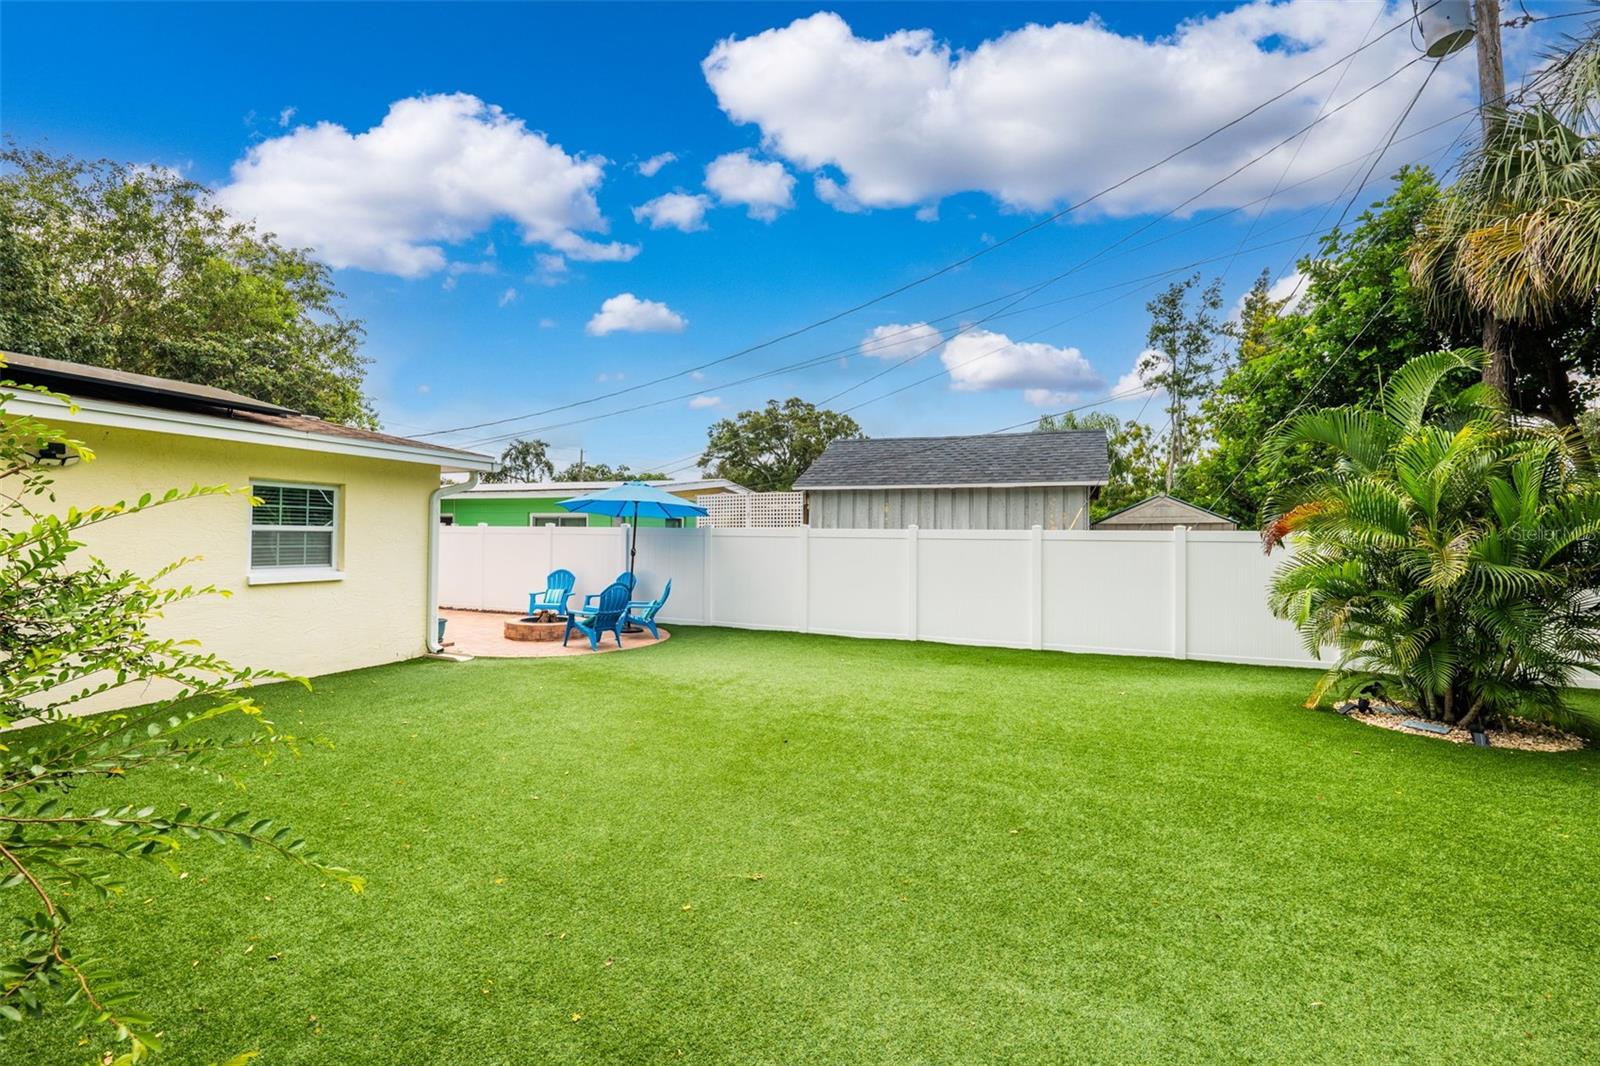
633 537
633 551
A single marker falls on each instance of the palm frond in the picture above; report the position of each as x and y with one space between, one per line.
1407 395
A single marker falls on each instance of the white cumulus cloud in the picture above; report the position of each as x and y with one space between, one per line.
1290 288
702 401
1046 114
626 313
435 171
550 268
1047 397
765 188
1136 382
675 210
895 341
980 361
836 196
652 166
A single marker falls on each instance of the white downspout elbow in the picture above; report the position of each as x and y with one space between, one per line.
431 639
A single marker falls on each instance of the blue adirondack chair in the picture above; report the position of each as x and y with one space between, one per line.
606 617
643 612
625 579
558 589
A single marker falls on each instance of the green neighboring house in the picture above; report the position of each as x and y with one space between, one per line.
538 503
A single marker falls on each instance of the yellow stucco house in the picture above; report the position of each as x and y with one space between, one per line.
335 570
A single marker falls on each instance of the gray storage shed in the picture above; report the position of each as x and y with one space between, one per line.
988 481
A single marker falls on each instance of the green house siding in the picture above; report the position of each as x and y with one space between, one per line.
506 511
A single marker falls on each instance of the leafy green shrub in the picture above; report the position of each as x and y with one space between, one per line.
73 628
1447 551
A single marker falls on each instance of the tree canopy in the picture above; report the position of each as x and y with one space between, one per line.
523 460
137 269
767 448
601 472
1137 465
1186 335
1358 320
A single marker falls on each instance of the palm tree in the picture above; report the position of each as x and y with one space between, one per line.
1514 246
1445 551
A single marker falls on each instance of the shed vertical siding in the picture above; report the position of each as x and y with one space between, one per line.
1061 507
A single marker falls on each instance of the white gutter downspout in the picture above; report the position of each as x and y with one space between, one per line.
432 638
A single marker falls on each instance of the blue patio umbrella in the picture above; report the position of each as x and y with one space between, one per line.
635 499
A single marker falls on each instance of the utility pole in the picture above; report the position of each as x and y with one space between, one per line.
1491 113
580 464
1491 68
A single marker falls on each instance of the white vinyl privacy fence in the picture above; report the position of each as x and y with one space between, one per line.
1179 593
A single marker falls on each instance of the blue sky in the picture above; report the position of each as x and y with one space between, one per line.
474 172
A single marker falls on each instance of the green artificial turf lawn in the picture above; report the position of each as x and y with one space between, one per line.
759 847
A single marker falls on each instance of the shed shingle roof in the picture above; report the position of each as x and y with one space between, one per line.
1064 457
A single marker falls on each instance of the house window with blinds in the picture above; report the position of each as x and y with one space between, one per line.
295 528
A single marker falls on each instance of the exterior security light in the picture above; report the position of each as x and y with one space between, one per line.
55 454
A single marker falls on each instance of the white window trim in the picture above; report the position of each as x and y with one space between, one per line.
562 521
296 575
293 575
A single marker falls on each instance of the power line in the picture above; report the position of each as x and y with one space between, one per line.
1021 295
1136 282
819 359
1298 148
1388 142
879 342
1365 180
1328 370
947 268
1526 19
1139 282
1305 397
882 341
1529 85
1375 159
1152 222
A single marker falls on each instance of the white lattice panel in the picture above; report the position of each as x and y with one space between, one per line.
754 510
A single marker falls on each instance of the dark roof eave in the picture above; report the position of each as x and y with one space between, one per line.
85 379
84 383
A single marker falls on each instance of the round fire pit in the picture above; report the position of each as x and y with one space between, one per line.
533 628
